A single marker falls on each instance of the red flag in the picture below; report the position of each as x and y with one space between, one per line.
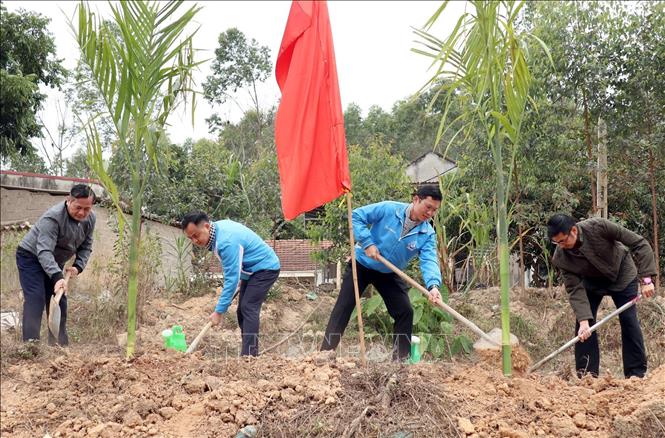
309 126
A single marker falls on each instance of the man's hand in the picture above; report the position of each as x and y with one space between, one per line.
584 332
372 252
73 272
60 284
434 296
215 318
648 290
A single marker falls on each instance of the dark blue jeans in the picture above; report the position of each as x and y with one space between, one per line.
587 353
253 293
37 291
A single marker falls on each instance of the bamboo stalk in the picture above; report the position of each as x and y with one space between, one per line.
132 283
352 242
592 329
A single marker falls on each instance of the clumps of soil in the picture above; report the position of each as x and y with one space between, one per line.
87 393
537 405
519 356
162 394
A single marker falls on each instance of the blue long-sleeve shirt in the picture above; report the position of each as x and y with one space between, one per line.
381 224
242 252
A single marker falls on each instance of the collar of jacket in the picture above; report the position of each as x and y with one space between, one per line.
401 216
213 235
580 238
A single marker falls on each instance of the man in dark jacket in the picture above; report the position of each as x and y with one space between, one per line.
597 258
63 231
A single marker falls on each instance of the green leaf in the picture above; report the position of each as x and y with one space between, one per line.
417 314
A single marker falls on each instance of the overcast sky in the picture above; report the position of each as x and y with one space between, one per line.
372 46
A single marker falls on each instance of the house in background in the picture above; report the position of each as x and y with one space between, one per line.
427 168
296 259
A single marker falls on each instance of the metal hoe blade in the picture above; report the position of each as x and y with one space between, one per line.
54 315
54 311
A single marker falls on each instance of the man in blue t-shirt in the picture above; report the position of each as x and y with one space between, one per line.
249 265
399 232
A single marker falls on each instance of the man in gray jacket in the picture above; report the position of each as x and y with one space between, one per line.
63 231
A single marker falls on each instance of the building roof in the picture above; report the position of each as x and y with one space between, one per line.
43 175
429 167
39 182
450 160
295 255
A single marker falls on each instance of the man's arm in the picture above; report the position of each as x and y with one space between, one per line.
429 263
639 247
361 218
577 296
231 255
85 249
46 242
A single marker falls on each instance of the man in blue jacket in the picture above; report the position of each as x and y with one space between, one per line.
399 232
248 263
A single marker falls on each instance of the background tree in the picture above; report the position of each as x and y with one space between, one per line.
27 60
77 165
58 139
239 64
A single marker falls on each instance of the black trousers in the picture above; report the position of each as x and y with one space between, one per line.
394 292
587 353
252 294
37 291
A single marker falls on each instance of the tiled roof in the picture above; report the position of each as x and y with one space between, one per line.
294 254
42 175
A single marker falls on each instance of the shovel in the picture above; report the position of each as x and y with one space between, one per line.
474 328
592 329
54 310
204 330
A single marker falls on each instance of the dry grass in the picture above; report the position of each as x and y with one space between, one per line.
379 400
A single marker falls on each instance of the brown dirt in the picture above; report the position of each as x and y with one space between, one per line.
518 355
91 390
168 394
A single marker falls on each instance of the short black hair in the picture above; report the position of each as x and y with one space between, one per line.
559 223
194 217
80 191
430 190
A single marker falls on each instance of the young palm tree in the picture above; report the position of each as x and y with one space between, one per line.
483 62
141 74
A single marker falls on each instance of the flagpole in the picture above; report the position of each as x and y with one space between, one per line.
361 329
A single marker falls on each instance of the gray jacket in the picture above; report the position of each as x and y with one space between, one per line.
56 237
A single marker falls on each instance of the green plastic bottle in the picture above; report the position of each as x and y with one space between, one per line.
177 340
415 349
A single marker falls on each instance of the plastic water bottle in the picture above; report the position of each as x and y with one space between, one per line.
174 338
177 339
415 349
